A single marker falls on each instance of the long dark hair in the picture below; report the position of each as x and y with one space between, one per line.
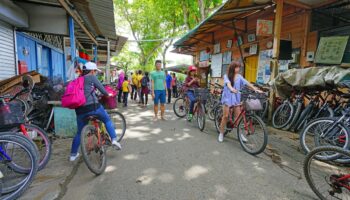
231 72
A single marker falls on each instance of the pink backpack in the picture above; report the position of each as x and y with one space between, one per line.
74 95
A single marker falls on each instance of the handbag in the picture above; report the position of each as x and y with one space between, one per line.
253 104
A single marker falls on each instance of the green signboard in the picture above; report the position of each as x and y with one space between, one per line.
331 49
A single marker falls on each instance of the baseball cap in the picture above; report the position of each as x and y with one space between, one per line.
91 66
192 68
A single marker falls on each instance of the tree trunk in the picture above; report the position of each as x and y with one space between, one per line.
201 5
186 16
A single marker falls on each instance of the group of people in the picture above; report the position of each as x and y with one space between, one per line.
160 85
137 85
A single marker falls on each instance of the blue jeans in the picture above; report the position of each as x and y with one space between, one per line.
192 98
103 116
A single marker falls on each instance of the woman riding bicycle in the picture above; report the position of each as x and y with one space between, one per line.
191 82
233 83
92 108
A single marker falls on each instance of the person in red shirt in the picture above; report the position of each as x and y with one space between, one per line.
191 82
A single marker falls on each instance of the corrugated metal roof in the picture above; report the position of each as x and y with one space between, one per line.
223 17
98 16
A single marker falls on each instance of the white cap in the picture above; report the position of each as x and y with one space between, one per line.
91 66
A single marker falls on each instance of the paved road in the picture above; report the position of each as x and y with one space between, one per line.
172 159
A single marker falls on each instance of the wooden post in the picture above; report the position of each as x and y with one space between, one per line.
276 51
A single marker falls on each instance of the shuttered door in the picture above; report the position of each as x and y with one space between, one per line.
251 68
7 51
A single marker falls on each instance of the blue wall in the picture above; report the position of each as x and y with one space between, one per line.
40 57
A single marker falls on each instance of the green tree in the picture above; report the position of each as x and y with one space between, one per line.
155 19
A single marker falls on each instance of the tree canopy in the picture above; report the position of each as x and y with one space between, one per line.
157 19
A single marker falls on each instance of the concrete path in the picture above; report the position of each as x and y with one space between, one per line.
172 159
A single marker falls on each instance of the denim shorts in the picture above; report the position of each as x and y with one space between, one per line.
159 95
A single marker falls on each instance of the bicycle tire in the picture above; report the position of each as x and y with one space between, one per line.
123 123
101 150
218 118
265 135
307 162
14 191
182 107
305 114
325 113
201 117
288 117
323 121
45 155
296 115
17 167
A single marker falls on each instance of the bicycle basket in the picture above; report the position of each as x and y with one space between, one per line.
11 113
253 101
201 94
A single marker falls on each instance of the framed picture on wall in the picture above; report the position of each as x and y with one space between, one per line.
217 48
251 37
227 57
253 50
239 40
204 56
229 44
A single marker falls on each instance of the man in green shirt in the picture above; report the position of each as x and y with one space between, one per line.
159 92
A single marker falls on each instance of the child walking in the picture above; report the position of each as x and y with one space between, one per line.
126 89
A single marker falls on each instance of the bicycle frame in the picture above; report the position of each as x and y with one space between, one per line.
3 154
340 181
241 115
101 140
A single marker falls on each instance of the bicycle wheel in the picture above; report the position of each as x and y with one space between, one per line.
41 140
119 123
303 118
217 121
283 115
325 178
325 112
201 116
312 135
252 134
94 153
180 108
296 115
16 150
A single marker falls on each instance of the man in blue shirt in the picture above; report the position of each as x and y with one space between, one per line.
168 85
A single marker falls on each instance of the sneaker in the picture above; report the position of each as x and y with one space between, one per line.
244 139
189 117
221 137
73 158
116 145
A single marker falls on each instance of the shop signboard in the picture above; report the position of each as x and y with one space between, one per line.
331 49
216 66
264 27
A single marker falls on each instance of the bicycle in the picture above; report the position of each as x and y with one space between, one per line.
181 106
16 152
12 119
326 131
95 140
248 126
327 178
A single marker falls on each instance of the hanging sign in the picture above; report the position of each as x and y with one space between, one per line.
264 27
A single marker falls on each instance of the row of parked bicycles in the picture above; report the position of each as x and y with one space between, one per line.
25 148
320 116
